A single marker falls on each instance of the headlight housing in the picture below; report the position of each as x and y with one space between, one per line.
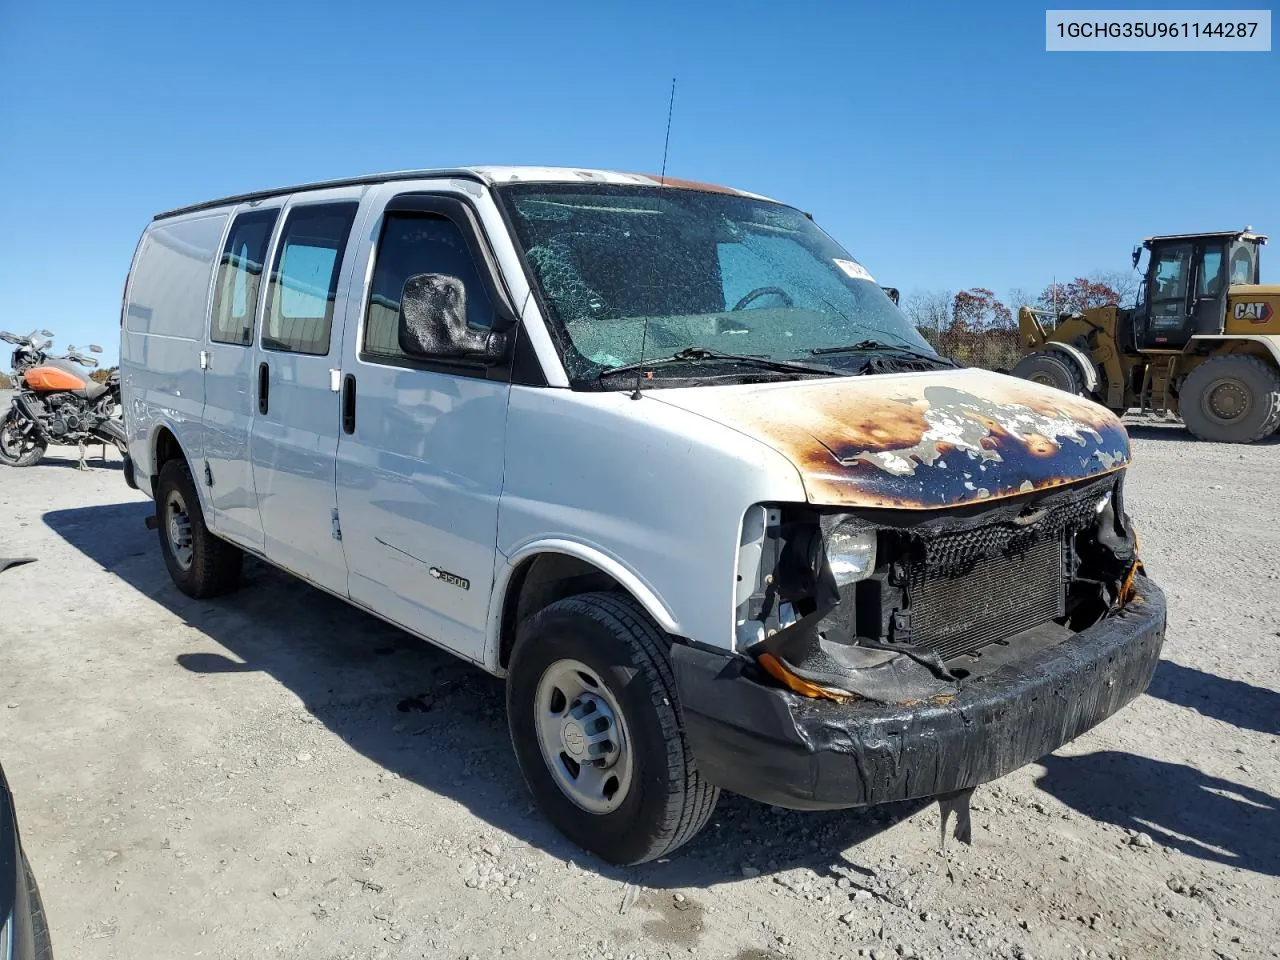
851 554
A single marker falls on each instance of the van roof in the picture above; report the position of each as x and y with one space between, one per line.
490 175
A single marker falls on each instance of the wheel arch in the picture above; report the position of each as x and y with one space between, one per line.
541 573
163 445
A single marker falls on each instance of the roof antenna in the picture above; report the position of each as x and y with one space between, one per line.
635 394
662 177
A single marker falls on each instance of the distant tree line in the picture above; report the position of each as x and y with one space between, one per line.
976 327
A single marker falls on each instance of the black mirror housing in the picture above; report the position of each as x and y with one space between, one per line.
432 322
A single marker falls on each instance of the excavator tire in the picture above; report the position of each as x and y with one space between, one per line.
1231 399
1053 369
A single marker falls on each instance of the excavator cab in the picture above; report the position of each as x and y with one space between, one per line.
1184 292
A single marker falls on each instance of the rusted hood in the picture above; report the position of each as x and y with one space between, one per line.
919 440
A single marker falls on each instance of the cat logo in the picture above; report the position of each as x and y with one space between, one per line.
1253 312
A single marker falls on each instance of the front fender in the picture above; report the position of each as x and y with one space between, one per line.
628 578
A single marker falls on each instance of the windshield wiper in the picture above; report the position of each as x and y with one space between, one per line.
876 346
699 354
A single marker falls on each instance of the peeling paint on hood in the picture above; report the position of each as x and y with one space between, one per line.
919 440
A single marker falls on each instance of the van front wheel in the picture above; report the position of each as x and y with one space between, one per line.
596 726
201 564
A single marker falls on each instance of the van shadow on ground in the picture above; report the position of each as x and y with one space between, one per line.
1231 701
1177 805
428 717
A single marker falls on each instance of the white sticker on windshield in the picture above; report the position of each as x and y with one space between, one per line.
855 270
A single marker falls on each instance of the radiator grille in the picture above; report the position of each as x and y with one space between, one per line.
995 598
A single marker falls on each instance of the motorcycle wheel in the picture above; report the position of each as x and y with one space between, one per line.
18 449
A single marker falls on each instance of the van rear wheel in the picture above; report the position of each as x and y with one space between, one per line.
201 564
597 729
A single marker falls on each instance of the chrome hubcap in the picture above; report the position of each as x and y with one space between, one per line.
178 529
1228 400
583 736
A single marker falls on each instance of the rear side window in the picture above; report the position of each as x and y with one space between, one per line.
415 243
304 277
235 299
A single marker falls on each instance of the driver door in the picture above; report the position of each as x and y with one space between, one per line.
421 454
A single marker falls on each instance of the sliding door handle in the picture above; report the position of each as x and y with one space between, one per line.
264 386
349 404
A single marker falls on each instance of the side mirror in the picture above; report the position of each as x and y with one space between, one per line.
46 333
432 322
94 348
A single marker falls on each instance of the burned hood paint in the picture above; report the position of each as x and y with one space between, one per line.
919 440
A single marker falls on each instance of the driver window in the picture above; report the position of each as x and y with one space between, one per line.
412 243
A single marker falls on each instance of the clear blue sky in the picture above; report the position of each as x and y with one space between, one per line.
941 144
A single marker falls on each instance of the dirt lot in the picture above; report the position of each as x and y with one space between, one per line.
277 775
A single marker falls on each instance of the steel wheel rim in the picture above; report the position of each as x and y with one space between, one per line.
1227 401
177 528
582 734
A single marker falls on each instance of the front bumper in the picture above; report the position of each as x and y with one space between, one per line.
780 748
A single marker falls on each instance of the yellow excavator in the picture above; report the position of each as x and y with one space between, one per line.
1202 342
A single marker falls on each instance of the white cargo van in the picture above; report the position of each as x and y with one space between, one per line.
660 453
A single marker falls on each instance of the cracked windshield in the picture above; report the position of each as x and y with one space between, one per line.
673 278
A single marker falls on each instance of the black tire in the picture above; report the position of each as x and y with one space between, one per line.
667 802
213 565
17 450
1231 399
1052 369
42 944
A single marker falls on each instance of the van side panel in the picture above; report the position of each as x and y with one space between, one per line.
165 310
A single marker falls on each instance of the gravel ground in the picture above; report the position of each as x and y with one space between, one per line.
274 774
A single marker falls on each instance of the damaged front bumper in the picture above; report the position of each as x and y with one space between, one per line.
791 751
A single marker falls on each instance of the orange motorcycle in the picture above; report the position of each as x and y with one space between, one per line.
56 402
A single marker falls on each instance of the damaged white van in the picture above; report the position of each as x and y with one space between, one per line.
660 453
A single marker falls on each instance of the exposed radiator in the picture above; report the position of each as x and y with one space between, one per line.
995 598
